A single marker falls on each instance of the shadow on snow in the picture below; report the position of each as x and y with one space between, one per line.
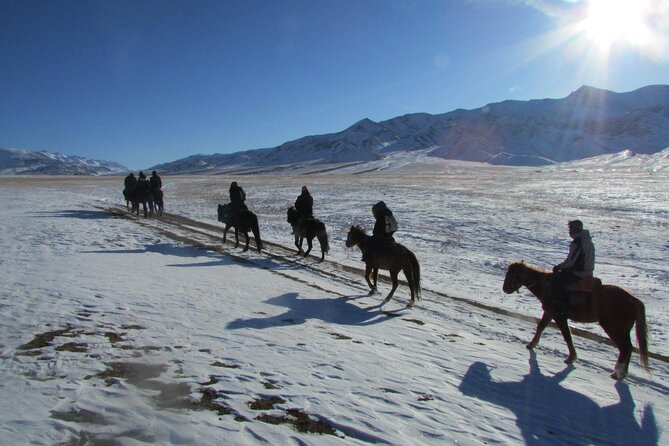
547 413
338 311
74 213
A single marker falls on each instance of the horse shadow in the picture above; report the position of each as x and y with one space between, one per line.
169 249
75 213
338 311
548 413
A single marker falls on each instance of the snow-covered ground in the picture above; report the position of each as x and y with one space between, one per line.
126 331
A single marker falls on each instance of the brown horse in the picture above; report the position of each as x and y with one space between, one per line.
390 256
246 221
613 308
308 228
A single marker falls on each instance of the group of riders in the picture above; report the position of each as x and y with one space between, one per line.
142 190
577 269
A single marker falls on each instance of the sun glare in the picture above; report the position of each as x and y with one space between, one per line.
612 22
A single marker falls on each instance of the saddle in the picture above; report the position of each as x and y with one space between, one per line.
580 291
585 285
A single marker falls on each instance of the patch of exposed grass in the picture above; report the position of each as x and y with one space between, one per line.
44 339
300 421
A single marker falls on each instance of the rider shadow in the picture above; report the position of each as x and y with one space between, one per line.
74 213
548 413
299 310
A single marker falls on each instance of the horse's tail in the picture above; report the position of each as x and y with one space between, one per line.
415 269
642 333
255 228
322 235
323 240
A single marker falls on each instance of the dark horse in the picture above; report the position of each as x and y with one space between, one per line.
245 222
390 256
157 195
613 308
308 228
136 196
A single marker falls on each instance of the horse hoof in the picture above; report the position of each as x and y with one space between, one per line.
570 360
530 346
615 376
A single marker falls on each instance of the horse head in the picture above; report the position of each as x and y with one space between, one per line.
513 279
223 212
355 235
291 215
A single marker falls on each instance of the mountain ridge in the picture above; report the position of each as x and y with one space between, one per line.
28 162
588 122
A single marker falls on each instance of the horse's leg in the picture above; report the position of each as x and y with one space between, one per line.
368 272
236 237
541 326
298 242
409 275
309 246
246 247
566 334
320 242
225 232
393 277
620 335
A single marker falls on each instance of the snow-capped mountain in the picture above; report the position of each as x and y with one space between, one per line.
16 161
587 123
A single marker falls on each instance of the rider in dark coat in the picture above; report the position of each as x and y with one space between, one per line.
580 263
130 182
142 184
385 225
237 199
304 205
384 228
155 181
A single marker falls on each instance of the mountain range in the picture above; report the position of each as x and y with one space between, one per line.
587 123
17 162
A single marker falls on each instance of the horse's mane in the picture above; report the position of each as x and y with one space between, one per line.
522 264
358 228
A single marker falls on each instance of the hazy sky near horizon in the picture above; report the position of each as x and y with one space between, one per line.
144 82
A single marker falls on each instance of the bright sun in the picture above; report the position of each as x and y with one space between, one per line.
617 21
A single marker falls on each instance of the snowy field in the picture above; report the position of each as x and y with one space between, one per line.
124 331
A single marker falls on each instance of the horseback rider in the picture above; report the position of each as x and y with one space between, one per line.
580 263
384 227
130 182
237 199
155 182
142 182
304 205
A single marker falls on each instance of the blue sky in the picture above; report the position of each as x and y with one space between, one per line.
144 82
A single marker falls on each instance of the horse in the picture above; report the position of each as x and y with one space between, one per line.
157 195
392 256
142 194
612 307
246 221
129 195
308 228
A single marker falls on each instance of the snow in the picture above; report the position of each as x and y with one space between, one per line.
159 334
